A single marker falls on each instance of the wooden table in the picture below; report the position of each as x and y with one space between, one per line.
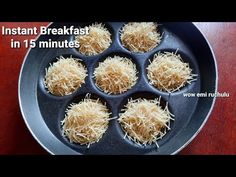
217 137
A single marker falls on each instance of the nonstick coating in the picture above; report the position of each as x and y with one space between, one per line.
42 111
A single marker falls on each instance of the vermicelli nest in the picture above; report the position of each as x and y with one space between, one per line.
144 121
86 121
168 72
140 37
65 76
97 41
115 75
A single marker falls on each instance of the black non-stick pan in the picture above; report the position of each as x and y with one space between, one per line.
43 112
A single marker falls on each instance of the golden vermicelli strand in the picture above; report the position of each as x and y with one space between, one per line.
86 121
115 75
140 37
65 76
97 41
145 121
169 73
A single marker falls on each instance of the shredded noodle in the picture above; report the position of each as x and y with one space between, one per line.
144 121
65 76
98 40
115 75
140 37
168 72
86 121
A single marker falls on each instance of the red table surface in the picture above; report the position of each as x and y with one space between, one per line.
218 136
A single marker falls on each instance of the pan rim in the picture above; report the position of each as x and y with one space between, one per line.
213 102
